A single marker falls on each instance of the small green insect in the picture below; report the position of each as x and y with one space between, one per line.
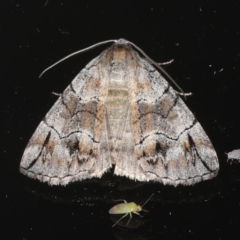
127 208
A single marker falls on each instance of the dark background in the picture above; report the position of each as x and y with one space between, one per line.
203 38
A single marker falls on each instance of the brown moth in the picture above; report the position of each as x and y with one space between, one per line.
119 110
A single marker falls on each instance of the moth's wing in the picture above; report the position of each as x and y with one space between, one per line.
71 142
170 146
125 148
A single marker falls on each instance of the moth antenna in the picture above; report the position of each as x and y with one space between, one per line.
157 65
147 200
75 53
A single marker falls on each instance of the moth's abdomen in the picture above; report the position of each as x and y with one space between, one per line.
117 103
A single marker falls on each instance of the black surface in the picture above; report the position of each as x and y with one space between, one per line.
203 38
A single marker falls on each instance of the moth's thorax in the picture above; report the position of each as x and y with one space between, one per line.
121 60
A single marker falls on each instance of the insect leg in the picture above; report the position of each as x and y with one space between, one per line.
138 214
119 219
129 218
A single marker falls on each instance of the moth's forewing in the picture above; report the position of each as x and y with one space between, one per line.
72 143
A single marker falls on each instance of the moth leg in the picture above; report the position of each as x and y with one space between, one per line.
120 220
166 63
57 94
183 94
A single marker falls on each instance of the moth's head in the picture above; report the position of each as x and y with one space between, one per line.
122 41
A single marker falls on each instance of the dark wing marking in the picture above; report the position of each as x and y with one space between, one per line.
71 142
170 145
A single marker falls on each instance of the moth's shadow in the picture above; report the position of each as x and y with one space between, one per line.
111 187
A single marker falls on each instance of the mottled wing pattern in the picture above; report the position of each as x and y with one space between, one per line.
71 142
170 145
120 110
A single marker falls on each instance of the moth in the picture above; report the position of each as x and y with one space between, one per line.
119 110
127 209
234 155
